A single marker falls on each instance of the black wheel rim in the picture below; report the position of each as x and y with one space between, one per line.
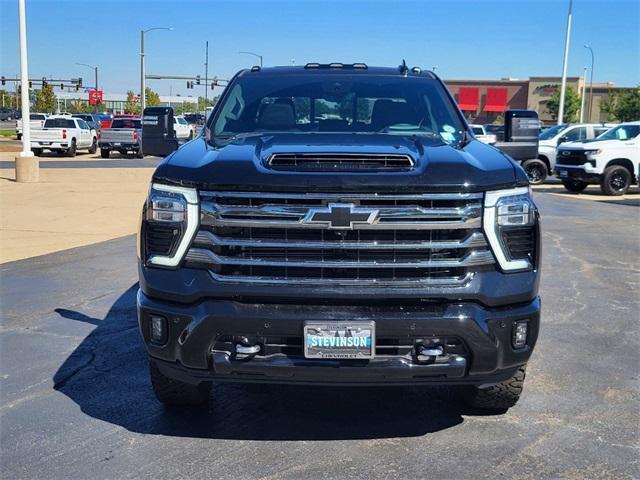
535 174
618 182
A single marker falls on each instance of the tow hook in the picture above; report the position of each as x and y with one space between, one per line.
428 353
246 351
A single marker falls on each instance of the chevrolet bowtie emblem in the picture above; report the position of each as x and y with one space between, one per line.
341 216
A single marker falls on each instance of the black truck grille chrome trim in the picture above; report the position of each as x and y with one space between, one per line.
343 162
403 240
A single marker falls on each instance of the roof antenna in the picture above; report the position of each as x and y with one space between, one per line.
404 70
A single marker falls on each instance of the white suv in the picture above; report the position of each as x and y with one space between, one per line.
612 159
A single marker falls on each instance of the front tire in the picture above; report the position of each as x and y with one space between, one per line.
139 153
616 180
174 392
536 171
94 147
19 136
574 186
104 153
501 396
37 151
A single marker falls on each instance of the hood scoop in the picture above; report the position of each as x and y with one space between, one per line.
340 162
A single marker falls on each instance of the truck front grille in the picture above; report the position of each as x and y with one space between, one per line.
571 157
395 240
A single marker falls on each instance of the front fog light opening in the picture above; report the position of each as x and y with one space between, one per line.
158 329
519 334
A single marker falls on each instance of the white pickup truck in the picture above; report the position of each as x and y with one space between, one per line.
549 140
123 136
36 122
64 135
612 159
481 134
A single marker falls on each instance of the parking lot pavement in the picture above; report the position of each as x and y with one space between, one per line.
69 208
592 192
75 399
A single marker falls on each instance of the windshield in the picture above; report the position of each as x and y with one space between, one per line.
59 123
182 121
126 123
338 103
477 130
549 133
621 132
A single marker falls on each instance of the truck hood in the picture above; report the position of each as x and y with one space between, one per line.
241 165
592 144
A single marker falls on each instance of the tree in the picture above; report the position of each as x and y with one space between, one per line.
131 105
151 97
571 105
45 100
623 106
7 100
79 106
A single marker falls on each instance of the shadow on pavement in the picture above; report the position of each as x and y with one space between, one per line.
107 376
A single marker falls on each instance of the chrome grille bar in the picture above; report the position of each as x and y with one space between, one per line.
206 238
203 256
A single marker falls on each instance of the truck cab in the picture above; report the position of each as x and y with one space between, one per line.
612 160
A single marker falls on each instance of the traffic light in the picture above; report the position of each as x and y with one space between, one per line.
189 84
62 86
197 79
213 84
30 84
44 82
77 87
4 82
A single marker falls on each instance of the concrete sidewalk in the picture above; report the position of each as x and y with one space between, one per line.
68 208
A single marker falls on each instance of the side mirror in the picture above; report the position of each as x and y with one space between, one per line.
562 139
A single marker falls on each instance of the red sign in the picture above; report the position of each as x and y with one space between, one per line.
95 97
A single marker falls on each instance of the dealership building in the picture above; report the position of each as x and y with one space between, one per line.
484 101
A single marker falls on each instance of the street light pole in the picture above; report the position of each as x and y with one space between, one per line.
255 55
584 91
590 84
26 165
143 86
95 70
563 86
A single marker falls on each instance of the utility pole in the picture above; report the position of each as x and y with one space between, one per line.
206 76
584 91
563 86
27 166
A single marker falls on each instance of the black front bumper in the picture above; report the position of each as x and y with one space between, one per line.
192 352
575 173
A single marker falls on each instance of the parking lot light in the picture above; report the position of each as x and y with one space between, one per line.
142 74
27 166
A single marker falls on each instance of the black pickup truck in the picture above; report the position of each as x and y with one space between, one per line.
338 224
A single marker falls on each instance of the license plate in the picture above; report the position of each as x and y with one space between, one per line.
116 144
342 340
45 143
564 174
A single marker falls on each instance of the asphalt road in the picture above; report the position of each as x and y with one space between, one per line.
75 399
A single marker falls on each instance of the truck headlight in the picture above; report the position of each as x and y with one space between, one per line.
170 222
590 154
510 218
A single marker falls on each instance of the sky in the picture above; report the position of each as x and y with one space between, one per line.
466 39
